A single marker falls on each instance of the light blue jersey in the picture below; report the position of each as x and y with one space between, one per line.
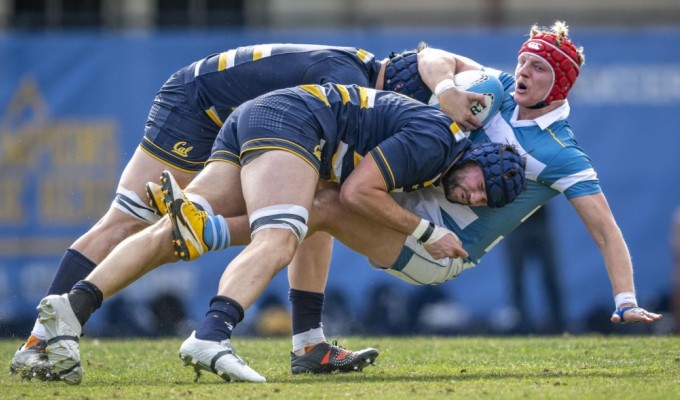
555 164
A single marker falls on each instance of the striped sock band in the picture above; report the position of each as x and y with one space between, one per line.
216 233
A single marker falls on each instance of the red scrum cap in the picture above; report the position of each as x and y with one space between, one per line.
563 58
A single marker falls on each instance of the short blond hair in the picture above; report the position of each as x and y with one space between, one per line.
561 31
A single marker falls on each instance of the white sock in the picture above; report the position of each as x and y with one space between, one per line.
39 330
307 338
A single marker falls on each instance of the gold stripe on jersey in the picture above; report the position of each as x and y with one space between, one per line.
366 97
429 183
555 137
457 132
262 51
454 128
213 116
257 53
387 166
222 61
364 55
387 187
344 93
317 91
226 60
357 158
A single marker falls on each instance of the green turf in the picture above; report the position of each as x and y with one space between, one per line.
581 367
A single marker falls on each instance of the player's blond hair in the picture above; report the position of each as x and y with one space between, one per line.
561 30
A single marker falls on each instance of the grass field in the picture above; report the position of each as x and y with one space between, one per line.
580 367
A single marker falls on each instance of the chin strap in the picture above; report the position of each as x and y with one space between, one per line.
539 105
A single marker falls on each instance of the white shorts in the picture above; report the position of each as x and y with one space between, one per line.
415 265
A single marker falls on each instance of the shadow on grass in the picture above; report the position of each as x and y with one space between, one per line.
437 377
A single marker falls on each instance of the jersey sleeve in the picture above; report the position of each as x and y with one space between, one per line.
571 172
415 156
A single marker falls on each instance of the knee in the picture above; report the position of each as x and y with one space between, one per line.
325 209
277 231
116 226
277 245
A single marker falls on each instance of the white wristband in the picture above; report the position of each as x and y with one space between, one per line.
625 298
446 84
420 229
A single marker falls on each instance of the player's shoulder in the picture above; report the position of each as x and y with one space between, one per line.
562 133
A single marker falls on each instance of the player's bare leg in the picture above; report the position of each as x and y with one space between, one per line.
93 246
278 188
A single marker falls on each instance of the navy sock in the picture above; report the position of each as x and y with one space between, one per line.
85 298
307 309
73 267
220 320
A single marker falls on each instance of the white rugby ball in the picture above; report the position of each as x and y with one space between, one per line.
478 82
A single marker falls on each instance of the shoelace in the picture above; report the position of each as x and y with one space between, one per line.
231 351
334 343
197 211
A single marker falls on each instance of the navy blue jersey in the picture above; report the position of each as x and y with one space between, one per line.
334 126
191 106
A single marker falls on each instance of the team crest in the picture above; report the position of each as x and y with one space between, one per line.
179 148
534 46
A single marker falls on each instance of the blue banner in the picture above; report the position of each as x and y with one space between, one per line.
73 108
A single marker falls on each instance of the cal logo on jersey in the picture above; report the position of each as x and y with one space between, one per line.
179 148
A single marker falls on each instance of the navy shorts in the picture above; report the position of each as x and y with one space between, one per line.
278 121
178 132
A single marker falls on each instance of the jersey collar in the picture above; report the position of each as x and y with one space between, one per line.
544 121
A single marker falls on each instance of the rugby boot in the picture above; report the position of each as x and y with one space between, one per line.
31 362
325 358
217 357
154 192
187 219
63 333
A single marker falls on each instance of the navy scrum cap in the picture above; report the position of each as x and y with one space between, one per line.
401 76
503 170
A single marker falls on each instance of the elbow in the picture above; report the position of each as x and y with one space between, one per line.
351 196
347 195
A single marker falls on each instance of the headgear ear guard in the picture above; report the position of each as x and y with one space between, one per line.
503 170
401 76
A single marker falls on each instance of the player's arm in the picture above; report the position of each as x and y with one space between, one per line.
437 68
365 193
599 220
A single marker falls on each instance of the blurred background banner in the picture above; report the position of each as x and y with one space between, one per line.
73 105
